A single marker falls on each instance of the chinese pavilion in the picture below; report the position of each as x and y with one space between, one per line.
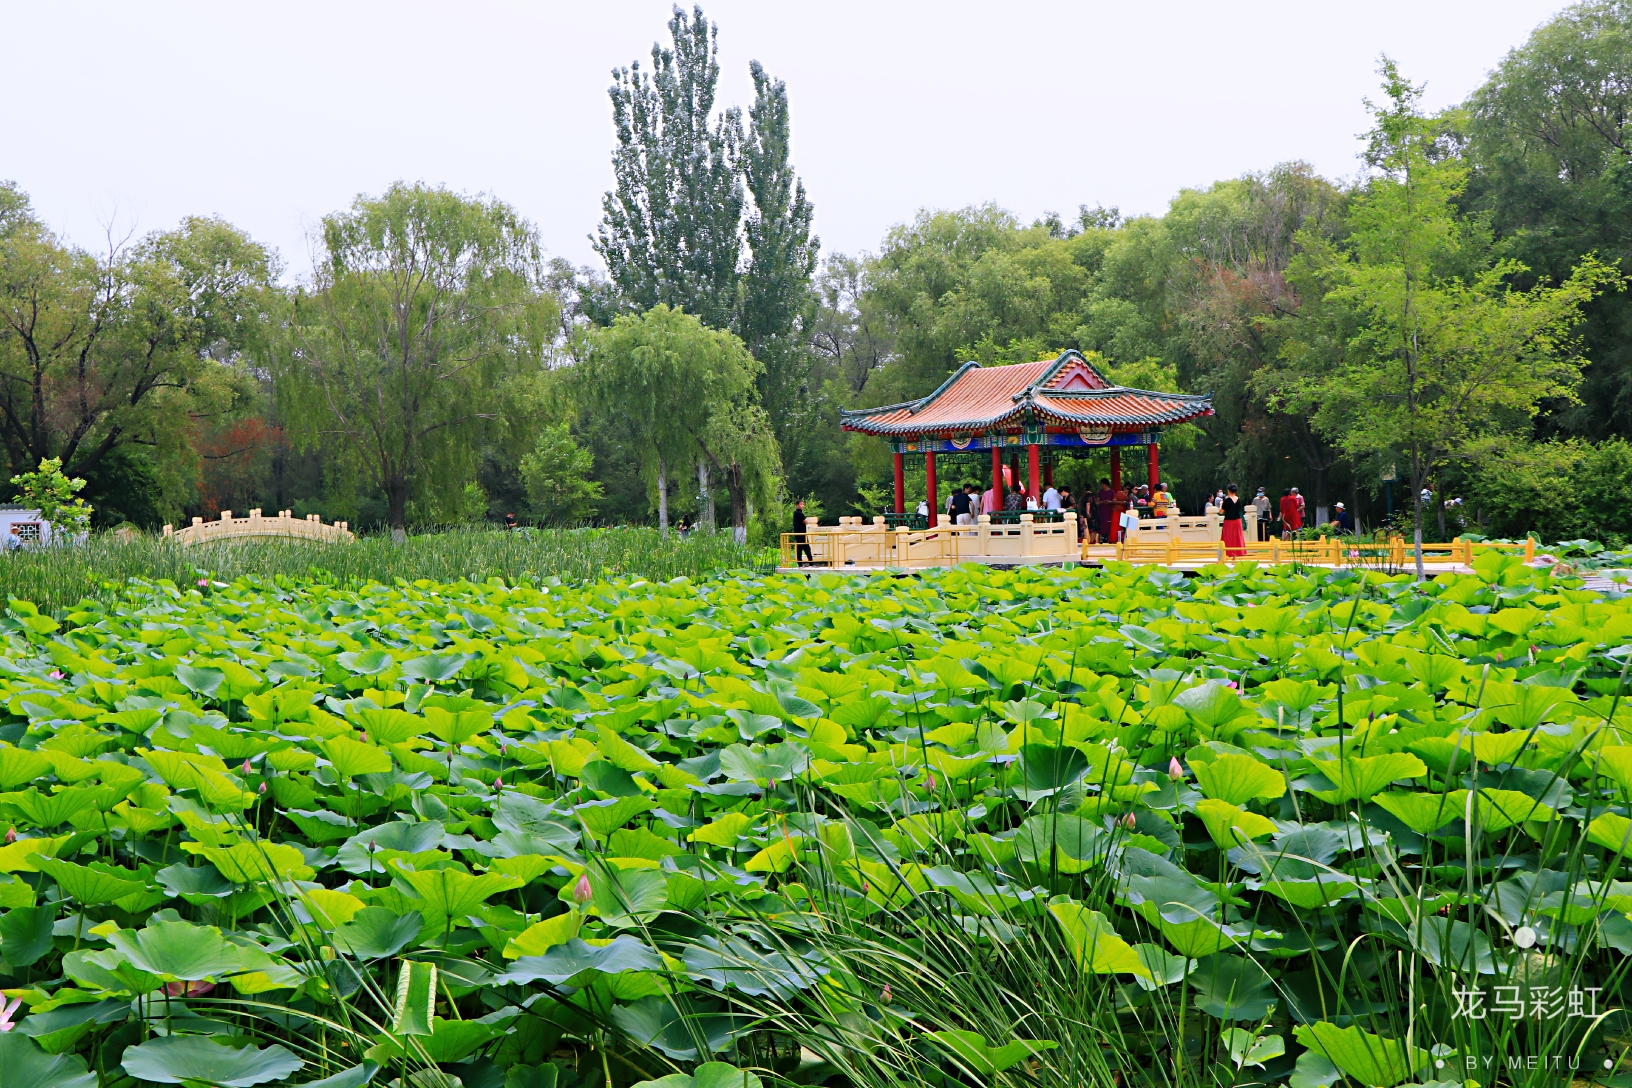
1053 405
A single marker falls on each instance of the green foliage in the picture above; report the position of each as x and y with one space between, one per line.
692 829
557 476
433 295
49 491
1567 489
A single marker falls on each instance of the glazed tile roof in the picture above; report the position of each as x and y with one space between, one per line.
1067 391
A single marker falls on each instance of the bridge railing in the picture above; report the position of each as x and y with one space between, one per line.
285 524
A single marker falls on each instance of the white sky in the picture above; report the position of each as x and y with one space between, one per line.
273 114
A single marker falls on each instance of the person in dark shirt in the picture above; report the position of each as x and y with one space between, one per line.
961 502
801 551
1235 544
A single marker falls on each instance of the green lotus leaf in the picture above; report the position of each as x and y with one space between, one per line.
601 818
48 810
183 951
448 1041
1369 1059
200 681
25 934
177 1059
91 885
1235 780
574 959
707 1075
1423 813
1232 987
355 1077
1359 778
971 1050
26 1065
764 765
435 668
1095 945
60 1028
351 758
449 893
376 932
18 766
681 1027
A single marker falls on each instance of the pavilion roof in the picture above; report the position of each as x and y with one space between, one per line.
1067 391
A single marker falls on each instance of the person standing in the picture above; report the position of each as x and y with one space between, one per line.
1235 542
1291 513
1303 510
801 548
990 503
1260 503
1105 512
959 505
1160 502
1051 498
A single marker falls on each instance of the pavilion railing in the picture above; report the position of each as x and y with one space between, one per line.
1394 554
857 544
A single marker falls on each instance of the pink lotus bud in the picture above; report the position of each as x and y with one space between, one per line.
203 581
498 781
1231 684
1175 769
56 674
866 888
929 782
581 891
246 768
887 995
1129 822
364 735
11 835
263 788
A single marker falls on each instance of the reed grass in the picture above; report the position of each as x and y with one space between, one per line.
56 577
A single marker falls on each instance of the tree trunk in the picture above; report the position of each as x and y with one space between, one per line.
1322 514
1416 510
739 503
1354 496
706 497
396 499
662 497
1439 509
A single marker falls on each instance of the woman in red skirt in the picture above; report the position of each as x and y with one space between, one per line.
1235 543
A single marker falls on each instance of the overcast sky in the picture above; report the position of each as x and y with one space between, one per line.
273 114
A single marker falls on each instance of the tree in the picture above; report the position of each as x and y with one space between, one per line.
423 302
690 394
1551 166
557 477
52 493
671 233
776 288
1440 350
127 350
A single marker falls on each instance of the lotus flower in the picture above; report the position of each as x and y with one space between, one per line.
1129 822
929 783
188 989
1175 769
498 781
6 1012
866 888
581 891
364 735
11 836
246 768
263 788
887 995
56 674
203 581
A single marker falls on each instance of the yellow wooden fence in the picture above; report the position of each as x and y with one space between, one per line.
1324 551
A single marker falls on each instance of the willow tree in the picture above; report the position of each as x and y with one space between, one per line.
423 302
691 395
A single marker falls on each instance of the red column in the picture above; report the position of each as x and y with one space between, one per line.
1048 472
1155 473
1116 485
1034 475
900 486
997 475
934 497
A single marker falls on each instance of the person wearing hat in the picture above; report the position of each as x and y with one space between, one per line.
1261 503
1345 523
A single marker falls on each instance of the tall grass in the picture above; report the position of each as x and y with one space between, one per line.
57 577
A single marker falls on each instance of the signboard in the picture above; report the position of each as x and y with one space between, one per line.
1390 473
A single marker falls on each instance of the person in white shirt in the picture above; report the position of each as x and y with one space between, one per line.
1051 498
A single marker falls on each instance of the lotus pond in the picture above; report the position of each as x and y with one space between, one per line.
1042 827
